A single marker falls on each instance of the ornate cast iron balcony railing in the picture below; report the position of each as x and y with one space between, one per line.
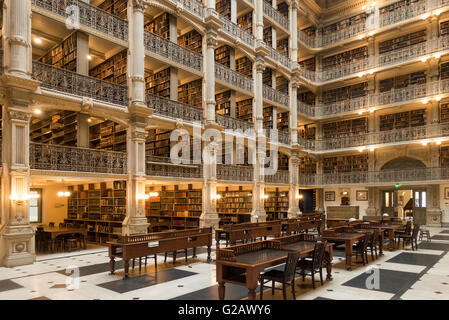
376 177
280 177
284 137
234 78
233 124
172 51
401 13
402 55
174 109
162 167
75 84
275 96
89 16
236 32
278 57
193 6
275 15
62 158
235 173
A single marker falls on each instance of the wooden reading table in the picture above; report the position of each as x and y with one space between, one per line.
242 264
137 246
349 238
298 225
391 228
57 231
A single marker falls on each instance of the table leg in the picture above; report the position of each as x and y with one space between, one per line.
251 294
381 244
52 245
328 258
194 253
112 265
126 265
221 290
348 250
208 253
391 237
84 242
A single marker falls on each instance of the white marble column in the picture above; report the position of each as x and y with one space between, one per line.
293 163
209 216
137 53
294 30
293 111
211 41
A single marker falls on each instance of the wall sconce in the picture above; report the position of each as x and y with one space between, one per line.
264 196
143 197
299 196
64 194
154 194
345 193
216 196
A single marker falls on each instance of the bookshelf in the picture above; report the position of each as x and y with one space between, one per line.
223 55
444 112
158 83
268 36
398 6
345 93
107 135
345 23
444 71
307 97
403 120
282 8
268 117
223 7
306 132
99 210
176 208
402 41
113 69
308 64
282 84
282 121
282 46
276 206
118 8
244 66
345 163
244 110
59 127
160 25
158 143
63 55
192 40
403 81
310 31
307 165
267 77
282 161
345 128
235 206
245 22
223 103
345 57
444 156
191 93
444 28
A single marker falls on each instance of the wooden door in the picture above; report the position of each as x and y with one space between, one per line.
388 202
419 206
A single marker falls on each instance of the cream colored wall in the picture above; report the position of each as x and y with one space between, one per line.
363 205
54 208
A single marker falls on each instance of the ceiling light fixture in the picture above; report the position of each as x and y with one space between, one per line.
37 40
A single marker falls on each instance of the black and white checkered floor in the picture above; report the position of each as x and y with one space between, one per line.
402 274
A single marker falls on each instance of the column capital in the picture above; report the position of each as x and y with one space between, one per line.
212 20
139 5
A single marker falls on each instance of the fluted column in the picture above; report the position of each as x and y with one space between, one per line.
137 53
294 30
293 164
209 216
294 111
258 212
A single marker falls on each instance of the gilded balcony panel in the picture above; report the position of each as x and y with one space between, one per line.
79 85
89 16
63 158
174 109
172 51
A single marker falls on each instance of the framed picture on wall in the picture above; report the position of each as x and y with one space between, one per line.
329 196
446 193
361 195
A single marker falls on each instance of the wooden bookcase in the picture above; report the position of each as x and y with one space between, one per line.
444 112
307 165
398 5
176 208
345 23
158 83
99 210
223 7
268 36
403 81
306 132
345 93
345 128
345 163
307 97
267 77
282 121
282 84
276 206
444 156
310 31
192 40
58 127
118 8
160 25
403 120
63 55
235 206
345 57
108 135
402 41
244 66
244 110
308 64
158 143
223 103
113 69
282 8
245 22
282 161
444 71
223 55
282 46
191 93
268 117
444 28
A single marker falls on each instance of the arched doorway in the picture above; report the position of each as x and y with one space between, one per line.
405 201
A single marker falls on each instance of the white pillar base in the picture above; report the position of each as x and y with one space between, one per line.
209 219
433 217
135 225
19 246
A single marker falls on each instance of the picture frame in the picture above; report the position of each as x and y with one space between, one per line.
329 196
446 193
361 195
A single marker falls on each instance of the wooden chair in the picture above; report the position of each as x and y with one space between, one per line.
424 232
310 267
410 238
175 253
406 231
373 243
51 224
62 225
43 241
146 258
360 249
286 277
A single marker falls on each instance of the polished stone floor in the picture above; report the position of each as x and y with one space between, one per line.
400 274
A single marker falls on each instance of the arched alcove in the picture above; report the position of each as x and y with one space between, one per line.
403 163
